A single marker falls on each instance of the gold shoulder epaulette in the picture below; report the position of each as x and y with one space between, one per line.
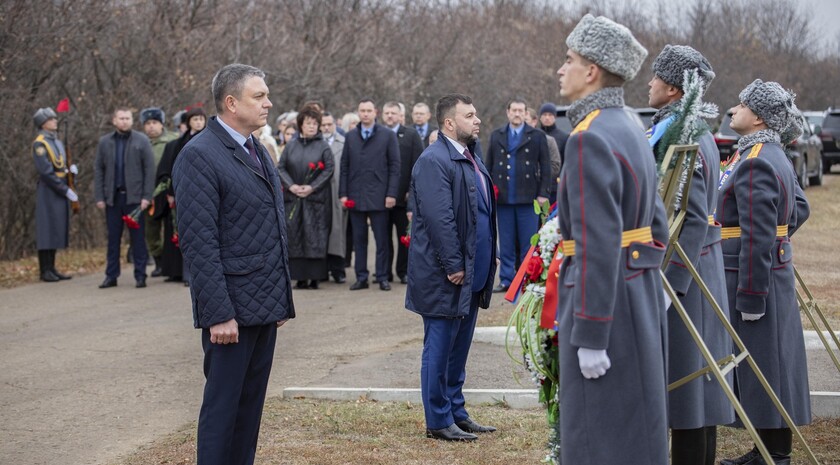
584 125
754 150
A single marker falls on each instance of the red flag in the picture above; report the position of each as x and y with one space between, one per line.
63 106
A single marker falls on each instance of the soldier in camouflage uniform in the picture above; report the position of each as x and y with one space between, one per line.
154 125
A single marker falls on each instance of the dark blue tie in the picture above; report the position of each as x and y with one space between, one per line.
421 132
366 134
250 146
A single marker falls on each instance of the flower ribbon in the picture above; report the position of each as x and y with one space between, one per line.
549 310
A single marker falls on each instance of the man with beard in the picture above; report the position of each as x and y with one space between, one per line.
453 263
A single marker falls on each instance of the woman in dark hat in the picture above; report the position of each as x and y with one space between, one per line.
172 264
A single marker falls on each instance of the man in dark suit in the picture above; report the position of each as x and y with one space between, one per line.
232 226
520 165
124 177
370 177
421 115
411 146
453 263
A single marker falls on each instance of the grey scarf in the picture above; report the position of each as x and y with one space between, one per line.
603 98
764 136
663 112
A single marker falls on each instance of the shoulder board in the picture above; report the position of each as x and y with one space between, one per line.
584 125
755 150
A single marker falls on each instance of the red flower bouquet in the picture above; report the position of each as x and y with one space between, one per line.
349 203
313 169
131 220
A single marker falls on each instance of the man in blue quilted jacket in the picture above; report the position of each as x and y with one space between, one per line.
233 237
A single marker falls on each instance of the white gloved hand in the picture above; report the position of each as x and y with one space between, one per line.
74 169
667 300
593 363
751 316
71 195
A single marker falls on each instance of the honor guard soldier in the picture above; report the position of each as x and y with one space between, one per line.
52 207
611 315
760 205
695 409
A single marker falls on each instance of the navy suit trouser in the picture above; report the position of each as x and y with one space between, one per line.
234 395
446 345
379 224
113 219
517 223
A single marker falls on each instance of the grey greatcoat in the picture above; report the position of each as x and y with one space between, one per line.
611 297
308 223
52 209
702 402
760 195
338 228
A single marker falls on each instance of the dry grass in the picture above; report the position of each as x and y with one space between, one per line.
298 432
69 261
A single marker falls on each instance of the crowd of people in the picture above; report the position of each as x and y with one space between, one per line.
239 211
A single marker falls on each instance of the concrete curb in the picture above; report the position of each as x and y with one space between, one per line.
514 398
823 404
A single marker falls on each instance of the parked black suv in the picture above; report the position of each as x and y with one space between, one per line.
830 136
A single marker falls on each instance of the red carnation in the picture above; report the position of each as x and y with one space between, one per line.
405 240
321 165
175 240
311 165
131 219
534 268
496 191
349 203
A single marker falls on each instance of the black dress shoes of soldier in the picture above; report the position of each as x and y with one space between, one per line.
754 457
450 433
61 276
359 285
49 277
109 282
384 285
470 426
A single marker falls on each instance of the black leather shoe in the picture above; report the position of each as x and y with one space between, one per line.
61 276
141 283
359 285
49 277
501 288
109 282
450 433
470 426
752 457
158 271
313 284
403 280
384 285
339 279
302 285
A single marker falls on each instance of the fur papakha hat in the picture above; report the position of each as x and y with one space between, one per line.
770 102
794 128
609 45
674 60
152 113
42 115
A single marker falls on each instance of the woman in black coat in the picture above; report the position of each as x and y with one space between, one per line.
172 263
305 168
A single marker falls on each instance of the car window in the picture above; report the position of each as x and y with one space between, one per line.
831 122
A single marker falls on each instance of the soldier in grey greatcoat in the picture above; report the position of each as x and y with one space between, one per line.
611 312
337 246
52 208
760 205
695 409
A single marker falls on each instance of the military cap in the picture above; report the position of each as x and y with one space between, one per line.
609 45
674 60
42 115
770 102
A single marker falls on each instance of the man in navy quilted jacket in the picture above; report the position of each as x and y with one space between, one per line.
233 237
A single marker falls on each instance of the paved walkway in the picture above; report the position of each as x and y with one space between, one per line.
89 375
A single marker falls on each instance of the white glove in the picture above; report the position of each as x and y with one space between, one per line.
667 300
74 169
751 316
71 195
593 363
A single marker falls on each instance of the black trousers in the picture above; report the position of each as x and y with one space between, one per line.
397 220
234 395
379 224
